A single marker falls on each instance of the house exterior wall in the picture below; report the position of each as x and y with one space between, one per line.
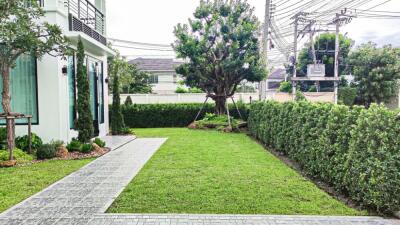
53 92
167 84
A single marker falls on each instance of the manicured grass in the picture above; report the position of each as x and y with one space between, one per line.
210 172
19 183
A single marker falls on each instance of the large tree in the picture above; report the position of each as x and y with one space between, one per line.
22 32
376 72
221 47
133 80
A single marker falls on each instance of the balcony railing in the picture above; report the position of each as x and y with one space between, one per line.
86 18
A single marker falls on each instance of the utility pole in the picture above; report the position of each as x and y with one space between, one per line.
263 84
340 19
337 46
296 24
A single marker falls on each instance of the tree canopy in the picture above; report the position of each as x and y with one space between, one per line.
221 47
22 31
376 72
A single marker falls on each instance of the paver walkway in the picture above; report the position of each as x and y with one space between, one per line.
84 196
92 189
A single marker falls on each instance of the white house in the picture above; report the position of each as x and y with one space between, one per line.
46 88
164 79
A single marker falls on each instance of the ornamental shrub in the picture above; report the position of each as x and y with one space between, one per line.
355 150
171 115
74 146
100 142
46 151
347 95
23 142
19 155
86 148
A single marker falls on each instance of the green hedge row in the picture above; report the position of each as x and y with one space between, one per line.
355 150
170 115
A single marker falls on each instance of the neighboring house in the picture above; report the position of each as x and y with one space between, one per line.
275 79
46 88
164 79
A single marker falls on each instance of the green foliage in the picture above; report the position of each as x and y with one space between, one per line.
286 87
3 137
347 95
219 122
46 151
312 88
99 142
181 90
117 119
300 96
128 101
195 90
353 149
86 148
325 43
23 142
19 155
57 143
131 79
74 146
171 115
84 123
376 72
221 48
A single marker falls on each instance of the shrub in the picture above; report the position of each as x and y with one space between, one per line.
356 150
347 95
128 101
46 151
300 96
181 90
3 138
23 142
219 122
171 115
74 146
285 87
99 142
86 148
19 155
195 90
57 143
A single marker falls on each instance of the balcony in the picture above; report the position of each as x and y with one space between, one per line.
85 17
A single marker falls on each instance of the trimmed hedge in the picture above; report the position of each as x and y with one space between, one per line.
356 150
170 115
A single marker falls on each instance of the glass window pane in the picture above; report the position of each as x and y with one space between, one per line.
71 90
23 87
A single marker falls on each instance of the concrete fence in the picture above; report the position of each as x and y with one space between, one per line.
200 98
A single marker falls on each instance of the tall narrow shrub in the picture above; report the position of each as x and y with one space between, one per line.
117 119
84 122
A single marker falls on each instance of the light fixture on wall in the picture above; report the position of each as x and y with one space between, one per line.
64 70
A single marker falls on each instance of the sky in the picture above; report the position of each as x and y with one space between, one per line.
152 21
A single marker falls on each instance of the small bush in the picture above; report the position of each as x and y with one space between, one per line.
99 142
86 148
195 90
46 151
57 143
19 155
219 122
285 87
128 101
23 142
74 146
181 90
300 96
347 95
171 115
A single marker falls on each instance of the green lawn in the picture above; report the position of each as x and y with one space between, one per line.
211 172
19 183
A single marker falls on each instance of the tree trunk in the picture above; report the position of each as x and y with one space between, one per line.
6 103
220 105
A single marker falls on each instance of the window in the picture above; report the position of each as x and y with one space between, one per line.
153 79
71 91
23 88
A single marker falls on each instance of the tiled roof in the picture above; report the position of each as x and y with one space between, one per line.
278 74
155 64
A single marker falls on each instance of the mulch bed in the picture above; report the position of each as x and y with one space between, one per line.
71 156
